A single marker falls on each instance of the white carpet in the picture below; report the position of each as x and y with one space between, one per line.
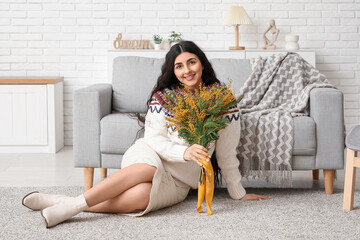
290 214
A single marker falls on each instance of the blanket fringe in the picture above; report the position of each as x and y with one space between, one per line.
279 177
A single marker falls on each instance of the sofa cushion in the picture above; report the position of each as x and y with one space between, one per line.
118 133
304 136
133 80
238 70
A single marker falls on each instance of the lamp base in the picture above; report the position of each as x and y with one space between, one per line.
237 48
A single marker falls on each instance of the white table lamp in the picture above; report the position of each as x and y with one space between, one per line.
237 16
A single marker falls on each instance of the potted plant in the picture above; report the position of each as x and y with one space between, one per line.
175 38
157 41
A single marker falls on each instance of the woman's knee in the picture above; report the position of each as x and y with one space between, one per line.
146 170
152 169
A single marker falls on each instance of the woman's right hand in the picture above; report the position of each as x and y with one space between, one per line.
253 196
196 152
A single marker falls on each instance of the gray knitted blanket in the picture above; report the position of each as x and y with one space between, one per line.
277 90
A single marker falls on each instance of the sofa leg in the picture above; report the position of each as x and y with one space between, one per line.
103 172
88 178
329 181
316 174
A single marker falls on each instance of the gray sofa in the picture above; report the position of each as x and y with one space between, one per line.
103 129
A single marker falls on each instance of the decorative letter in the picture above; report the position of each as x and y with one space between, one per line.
117 41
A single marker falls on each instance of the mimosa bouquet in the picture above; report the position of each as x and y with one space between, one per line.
198 115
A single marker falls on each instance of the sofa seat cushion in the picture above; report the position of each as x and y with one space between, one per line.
304 136
118 133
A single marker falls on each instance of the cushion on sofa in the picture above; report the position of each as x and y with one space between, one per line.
118 133
133 80
238 70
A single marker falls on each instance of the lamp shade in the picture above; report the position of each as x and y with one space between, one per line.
237 16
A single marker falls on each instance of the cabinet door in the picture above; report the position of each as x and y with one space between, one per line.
23 115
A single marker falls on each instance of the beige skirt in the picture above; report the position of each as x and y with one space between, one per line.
165 191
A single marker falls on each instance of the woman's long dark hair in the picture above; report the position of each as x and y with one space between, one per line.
168 79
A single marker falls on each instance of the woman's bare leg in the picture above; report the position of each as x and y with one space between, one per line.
135 198
119 182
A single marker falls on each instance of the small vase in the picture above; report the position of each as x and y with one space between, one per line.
157 46
292 42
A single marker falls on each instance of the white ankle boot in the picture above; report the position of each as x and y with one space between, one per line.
63 211
38 201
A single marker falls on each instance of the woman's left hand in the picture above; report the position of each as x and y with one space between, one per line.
252 196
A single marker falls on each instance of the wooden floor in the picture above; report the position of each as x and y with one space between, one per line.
22 170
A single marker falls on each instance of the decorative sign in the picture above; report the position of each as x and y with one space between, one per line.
131 44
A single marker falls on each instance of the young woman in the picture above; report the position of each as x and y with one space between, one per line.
159 169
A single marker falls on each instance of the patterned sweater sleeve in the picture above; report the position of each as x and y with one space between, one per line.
226 151
157 135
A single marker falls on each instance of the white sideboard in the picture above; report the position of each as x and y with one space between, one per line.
308 55
31 114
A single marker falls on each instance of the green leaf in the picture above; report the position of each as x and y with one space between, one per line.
202 104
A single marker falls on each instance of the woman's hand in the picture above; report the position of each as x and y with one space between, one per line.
196 152
252 196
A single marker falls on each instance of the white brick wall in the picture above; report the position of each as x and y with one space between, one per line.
70 38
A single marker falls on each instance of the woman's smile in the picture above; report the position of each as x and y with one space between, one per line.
190 77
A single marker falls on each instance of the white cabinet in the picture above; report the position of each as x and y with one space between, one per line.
31 114
308 55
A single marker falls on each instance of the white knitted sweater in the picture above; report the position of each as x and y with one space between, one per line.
171 150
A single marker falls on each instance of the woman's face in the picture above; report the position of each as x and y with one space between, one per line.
188 69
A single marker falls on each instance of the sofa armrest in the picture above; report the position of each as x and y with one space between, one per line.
326 108
91 104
